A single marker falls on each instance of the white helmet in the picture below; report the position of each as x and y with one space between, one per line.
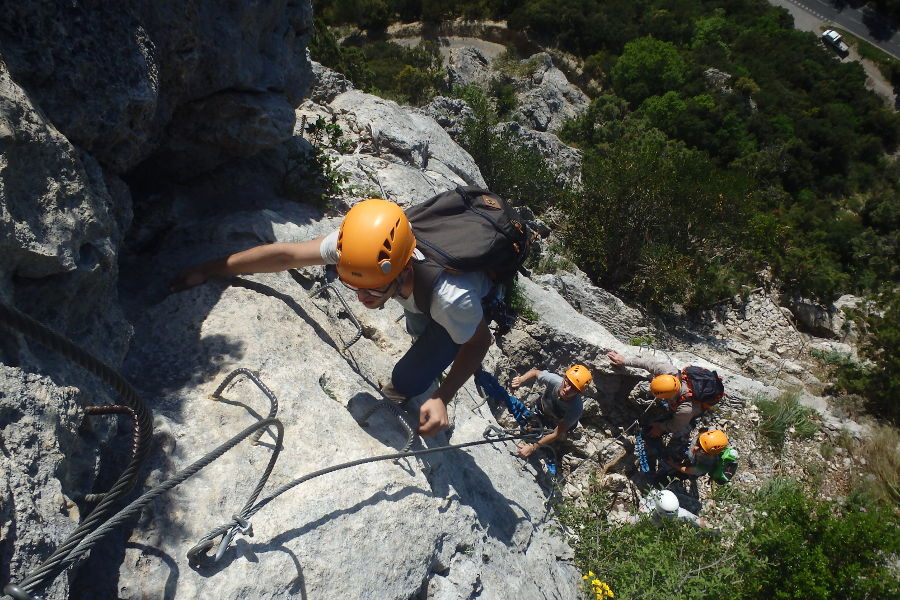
667 504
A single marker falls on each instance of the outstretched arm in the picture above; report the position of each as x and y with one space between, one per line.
433 413
268 258
517 382
557 434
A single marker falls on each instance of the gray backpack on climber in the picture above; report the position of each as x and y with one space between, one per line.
467 229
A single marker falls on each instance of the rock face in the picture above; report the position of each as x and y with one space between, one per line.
41 464
449 525
199 88
544 97
92 94
160 66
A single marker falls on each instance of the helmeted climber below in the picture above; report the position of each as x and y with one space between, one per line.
663 504
687 393
559 407
709 454
376 255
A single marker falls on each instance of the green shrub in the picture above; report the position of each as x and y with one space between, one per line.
784 415
673 562
310 174
519 174
802 548
520 304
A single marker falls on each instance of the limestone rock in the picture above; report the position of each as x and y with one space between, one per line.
38 441
550 99
154 60
62 223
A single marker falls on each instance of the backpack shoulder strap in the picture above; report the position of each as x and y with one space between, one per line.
425 275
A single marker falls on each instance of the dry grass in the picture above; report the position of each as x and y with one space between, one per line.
882 454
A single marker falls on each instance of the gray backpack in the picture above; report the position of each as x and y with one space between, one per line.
463 230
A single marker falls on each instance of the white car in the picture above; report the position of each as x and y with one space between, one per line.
834 39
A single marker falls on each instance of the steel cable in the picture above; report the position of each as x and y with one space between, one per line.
13 318
206 542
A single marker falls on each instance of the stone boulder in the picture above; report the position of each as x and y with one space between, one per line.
545 98
44 467
447 525
63 219
565 159
830 321
160 65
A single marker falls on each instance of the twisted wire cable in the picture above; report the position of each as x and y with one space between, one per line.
15 319
135 507
242 519
273 401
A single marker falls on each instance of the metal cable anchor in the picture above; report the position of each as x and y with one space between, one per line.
346 307
241 525
254 439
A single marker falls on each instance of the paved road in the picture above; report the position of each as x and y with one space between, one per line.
860 23
805 20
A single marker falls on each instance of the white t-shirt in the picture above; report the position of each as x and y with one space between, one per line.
455 304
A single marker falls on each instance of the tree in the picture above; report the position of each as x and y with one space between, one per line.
648 67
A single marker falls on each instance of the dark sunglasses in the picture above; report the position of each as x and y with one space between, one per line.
375 292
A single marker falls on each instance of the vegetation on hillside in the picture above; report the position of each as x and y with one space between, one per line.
725 143
742 158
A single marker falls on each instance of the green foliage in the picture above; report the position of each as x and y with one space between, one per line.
324 48
785 415
799 548
309 173
648 67
639 341
673 562
791 547
511 170
520 304
882 452
674 212
407 75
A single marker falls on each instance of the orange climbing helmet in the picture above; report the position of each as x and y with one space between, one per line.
375 242
665 387
579 376
713 442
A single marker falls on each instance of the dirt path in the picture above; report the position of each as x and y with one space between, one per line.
875 81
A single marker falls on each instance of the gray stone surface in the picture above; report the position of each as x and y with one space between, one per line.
41 464
452 522
153 62
61 223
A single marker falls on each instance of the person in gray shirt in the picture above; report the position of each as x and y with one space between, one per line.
663 372
560 404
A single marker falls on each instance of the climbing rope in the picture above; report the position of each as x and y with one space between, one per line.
18 321
641 452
